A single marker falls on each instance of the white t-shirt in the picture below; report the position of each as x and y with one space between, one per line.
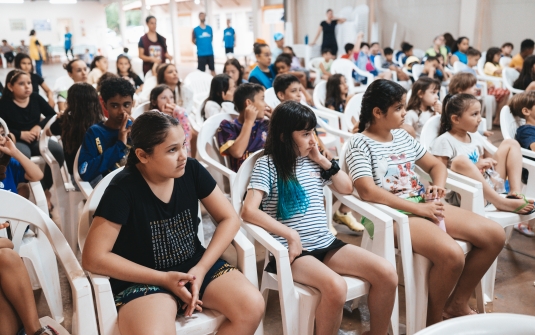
390 164
212 108
417 122
311 225
448 146
94 76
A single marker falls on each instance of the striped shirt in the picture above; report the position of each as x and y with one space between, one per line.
311 225
390 164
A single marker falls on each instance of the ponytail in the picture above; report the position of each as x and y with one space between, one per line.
454 105
132 157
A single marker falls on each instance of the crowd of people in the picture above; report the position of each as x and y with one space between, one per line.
154 275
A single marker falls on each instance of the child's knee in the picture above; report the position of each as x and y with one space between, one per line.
452 258
335 290
461 162
9 258
511 143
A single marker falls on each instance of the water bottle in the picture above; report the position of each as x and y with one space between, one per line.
306 39
430 197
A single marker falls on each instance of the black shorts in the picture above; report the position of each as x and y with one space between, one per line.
206 60
319 254
9 56
229 50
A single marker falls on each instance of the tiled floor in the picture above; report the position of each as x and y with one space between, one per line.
515 279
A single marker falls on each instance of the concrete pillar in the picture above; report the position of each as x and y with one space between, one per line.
122 22
256 7
468 19
208 8
144 14
290 13
174 30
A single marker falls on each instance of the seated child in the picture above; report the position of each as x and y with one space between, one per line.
493 68
282 65
473 55
220 97
521 106
406 49
162 99
325 65
337 93
431 69
465 154
287 183
98 67
365 63
388 63
422 105
507 50
105 144
296 63
15 167
102 78
247 133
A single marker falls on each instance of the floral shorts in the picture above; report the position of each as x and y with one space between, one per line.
140 290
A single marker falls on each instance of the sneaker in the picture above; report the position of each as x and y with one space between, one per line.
349 220
524 229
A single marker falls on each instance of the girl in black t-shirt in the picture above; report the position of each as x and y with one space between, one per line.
144 236
124 70
24 62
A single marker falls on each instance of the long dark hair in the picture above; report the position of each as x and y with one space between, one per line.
449 40
491 53
421 85
219 85
456 45
94 62
160 77
333 89
454 105
382 94
12 78
526 73
154 93
149 130
19 57
131 73
234 62
83 110
288 117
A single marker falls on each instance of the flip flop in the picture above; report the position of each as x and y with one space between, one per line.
447 316
521 207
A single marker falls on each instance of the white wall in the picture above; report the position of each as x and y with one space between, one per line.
89 16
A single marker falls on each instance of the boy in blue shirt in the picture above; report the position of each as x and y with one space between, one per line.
105 145
15 168
202 37
229 37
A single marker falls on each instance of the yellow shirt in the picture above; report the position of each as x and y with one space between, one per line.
35 49
489 70
517 61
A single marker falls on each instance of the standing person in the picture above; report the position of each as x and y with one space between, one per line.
264 71
279 45
152 46
229 37
7 50
68 43
37 52
202 37
327 26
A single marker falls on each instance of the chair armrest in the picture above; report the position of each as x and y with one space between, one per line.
106 310
246 257
530 166
266 240
334 131
217 166
85 187
484 77
332 116
528 153
39 196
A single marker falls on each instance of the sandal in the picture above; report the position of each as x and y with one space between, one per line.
46 330
521 207
446 316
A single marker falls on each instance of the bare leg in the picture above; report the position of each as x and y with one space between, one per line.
310 271
16 295
236 298
447 260
487 239
462 164
499 106
149 315
354 261
509 157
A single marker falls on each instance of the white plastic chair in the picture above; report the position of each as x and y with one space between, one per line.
299 302
84 186
148 85
505 219
199 83
509 75
346 68
206 322
418 53
140 109
63 83
65 195
417 70
333 117
509 125
481 73
271 98
314 66
505 61
352 110
484 324
137 67
20 213
416 267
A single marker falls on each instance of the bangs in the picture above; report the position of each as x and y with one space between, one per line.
306 121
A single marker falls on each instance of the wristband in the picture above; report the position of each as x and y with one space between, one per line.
327 174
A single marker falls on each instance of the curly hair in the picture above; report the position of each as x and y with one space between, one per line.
105 76
382 94
454 105
116 86
83 110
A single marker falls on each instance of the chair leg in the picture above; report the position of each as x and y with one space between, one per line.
43 260
307 313
421 273
487 282
508 234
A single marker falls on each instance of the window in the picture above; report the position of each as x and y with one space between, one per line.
250 20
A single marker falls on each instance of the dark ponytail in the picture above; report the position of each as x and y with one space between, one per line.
382 94
149 130
454 105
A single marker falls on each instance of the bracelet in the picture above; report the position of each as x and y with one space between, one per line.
327 174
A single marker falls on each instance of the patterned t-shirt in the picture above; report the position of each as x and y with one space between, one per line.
448 146
390 164
311 225
158 235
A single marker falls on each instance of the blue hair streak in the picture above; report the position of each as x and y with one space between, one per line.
292 199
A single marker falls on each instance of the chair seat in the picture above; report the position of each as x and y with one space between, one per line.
356 287
199 323
329 140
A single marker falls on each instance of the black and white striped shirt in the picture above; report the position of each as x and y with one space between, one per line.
390 164
311 225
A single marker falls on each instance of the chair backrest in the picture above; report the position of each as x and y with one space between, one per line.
271 98
239 188
315 63
408 97
84 186
504 61
63 83
481 63
458 67
137 67
486 324
509 123
346 67
319 94
417 70
418 53
142 108
198 82
148 85
352 110
4 125
509 76
430 131
378 62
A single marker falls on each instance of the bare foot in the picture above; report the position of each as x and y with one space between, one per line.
510 205
48 196
454 310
